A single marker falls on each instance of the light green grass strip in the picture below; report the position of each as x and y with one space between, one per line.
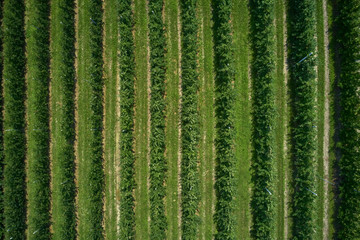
141 130
172 119
110 117
280 118
240 20
207 120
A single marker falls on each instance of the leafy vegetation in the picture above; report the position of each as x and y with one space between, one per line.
262 72
14 119
127 158
348 42
224 111
158 224
190 192
63 118
96 173
38 59
301 45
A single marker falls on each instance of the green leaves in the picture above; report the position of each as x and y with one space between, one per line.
348 47
301 42
158 167
127 158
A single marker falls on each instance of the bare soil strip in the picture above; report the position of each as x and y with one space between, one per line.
326 125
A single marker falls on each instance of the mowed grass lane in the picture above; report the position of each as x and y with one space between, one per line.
38 75
281 119
89 107
62 124
110 117
240 22
207 121
172 204
141 128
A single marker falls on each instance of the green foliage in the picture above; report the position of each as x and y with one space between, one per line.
1 132
301 42
224 111
38 59
348 41
14 119
63 59
262 72
190 192
96 173
158 224
127 158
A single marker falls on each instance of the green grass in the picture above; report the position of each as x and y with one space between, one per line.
207 124
62 110
38 56
240 20
141 130
110 117
281 118
319 213
172 203
89 179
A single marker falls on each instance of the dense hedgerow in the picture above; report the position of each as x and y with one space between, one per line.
127 158
96 173
190 193
224 111
14 119
262 73
301 43
63 73
1 133
38 59
158 224
348 42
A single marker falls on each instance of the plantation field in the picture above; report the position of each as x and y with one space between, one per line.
179 119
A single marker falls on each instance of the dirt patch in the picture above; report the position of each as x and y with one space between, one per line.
326 125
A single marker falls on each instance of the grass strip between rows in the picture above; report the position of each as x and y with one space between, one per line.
63 119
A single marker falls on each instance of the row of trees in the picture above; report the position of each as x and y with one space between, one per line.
158 224
1 131
14 119
301 44
38 59
96 172
263 73
127 158
348 46
224 113
63 119
190 193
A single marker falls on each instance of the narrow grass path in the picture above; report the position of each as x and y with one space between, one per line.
110 117
172 204
207 123
240 21
141 130
90 181
281 118
37 114
62 116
